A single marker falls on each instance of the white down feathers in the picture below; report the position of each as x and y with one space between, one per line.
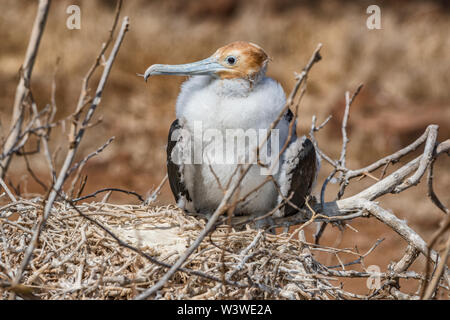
230 104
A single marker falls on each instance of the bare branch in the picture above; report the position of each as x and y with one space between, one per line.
24 82
72 151
438 273
109 189
8 192
431 194
348 103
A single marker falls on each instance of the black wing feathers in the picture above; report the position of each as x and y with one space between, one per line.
173 170
303 176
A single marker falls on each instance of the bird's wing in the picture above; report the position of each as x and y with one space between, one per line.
297 175
175 167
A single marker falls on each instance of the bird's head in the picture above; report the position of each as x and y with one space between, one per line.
237 60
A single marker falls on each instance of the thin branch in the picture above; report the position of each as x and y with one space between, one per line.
92 195
80 165
72 151
24 82
431 194
429 292
156 192
361 257
8 192
33 175
401 228
444 227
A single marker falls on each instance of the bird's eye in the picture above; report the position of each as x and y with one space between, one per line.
231 60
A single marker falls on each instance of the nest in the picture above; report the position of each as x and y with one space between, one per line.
77 259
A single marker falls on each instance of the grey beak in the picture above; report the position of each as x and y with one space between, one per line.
208 66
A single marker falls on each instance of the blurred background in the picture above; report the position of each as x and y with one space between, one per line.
404 66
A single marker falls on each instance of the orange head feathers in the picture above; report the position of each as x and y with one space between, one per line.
241 60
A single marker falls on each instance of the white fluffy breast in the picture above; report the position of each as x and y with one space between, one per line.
223 104
230 104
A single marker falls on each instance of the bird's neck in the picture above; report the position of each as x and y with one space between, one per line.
229 88
236 87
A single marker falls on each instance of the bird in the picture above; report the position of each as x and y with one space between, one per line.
229 91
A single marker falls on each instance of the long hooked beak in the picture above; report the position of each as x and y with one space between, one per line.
208 66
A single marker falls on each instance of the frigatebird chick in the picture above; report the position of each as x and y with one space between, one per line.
229 92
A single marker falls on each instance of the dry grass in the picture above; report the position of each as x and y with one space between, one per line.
76 259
